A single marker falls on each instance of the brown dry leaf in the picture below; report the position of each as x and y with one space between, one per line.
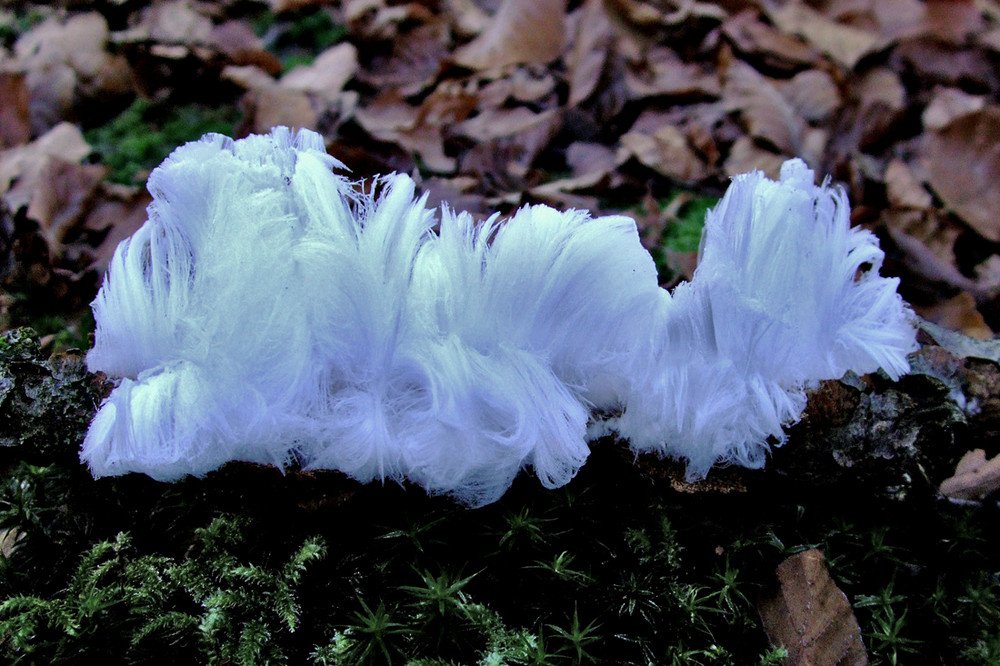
810 616
764 110
586 158
812 94
62 195
60 57
119 211
844 43
903 189
880 103
521 32
963 167
665 74
975 477
953 20
948 104
172 22
239 45
415 61
589 50
764 43
925 241
267 104
745 155
419 130
327 75
24 164
15 128
666 151
958 313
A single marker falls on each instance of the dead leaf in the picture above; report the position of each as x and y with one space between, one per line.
666 151
665 74
958 313
60 57
948 104
78 41
24 164
844 43
240 46
521 32
414 63
903 189
118 213
62 194
766 44
810 616
586 158
327 75
267 103
812 94
881 104
763 109
963 167
745 155
589 50
974 478
15 127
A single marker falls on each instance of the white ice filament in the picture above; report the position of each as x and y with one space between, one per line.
266 313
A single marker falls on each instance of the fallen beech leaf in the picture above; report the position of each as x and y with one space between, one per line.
810 616
239 45
118 213
591 44
975 477
267 104
665 74
903 189
765 112
521 32
666 151
62 194
762 41
745 155
963 168
173 22
24 163
844 43
958 313
61 57
79 42
327 75
813 94
15 128
948 104
414 64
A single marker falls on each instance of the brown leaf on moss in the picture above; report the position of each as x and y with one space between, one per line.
521 32
963 167
810 616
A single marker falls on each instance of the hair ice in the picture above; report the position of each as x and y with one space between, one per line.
266 312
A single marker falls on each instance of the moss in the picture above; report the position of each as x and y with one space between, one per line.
139 138
45 403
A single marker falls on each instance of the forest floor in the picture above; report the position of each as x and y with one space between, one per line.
616 106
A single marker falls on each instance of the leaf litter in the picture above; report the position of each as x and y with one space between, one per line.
606 104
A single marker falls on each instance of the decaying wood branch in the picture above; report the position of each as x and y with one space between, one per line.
889 437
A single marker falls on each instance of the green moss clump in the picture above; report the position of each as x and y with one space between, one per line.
139 138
